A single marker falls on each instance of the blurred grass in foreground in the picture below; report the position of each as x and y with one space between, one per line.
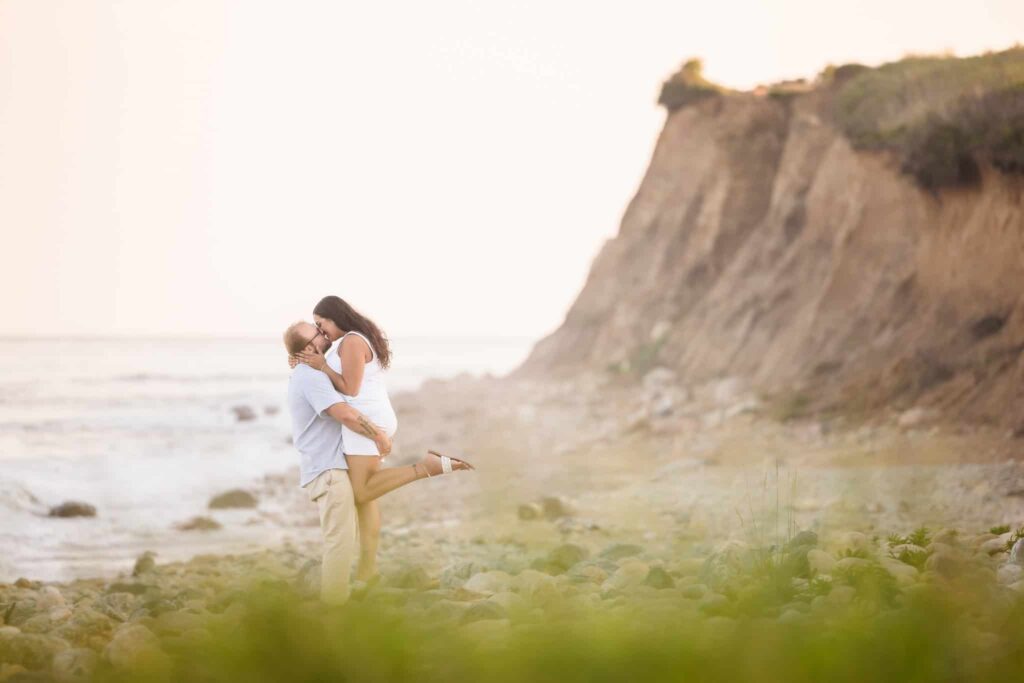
938 633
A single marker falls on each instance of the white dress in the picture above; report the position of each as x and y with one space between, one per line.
372 401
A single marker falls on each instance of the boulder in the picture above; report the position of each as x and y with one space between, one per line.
820 562
31 650
555 507
536 586
235 498
845 564
565 556
199 523
410 578
530 511
457 574
133 646
659 578
75 665
73 508
145 563
1010 573
1017 552
243 413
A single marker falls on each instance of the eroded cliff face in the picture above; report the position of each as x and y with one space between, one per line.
760 244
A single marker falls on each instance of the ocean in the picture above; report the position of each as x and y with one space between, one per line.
144 429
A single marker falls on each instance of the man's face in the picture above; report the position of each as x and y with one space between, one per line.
316 338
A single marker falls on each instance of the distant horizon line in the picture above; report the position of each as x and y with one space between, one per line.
170 337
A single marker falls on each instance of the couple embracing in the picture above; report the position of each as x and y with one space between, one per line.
342 424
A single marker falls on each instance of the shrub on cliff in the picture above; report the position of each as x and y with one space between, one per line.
687 86
941 116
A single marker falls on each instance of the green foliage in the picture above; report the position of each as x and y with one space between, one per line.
1017 535
687 86
915 558
999 530
859 553
941 116
920 536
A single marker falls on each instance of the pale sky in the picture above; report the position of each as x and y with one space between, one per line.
209 167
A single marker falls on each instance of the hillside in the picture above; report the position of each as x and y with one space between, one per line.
848 246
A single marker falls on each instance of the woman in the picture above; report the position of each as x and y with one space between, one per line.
356 369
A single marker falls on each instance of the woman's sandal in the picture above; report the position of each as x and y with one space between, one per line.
446 464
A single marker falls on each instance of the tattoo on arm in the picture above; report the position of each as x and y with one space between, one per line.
367 428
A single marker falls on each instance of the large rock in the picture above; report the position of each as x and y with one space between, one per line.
1017 552
565 556
75 665
243 413
556 507
457 574
199 523
236 498
537 587
133 646
145 563
820 562
659 578
31 650
410 578
73 508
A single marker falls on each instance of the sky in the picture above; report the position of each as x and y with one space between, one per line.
214 167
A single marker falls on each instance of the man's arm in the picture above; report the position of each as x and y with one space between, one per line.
357 422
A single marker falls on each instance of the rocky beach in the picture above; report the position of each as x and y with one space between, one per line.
591 497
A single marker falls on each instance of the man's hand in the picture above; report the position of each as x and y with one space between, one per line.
314 359
383 442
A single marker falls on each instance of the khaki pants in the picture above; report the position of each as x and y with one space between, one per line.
332 492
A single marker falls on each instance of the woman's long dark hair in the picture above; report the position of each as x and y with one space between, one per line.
349 319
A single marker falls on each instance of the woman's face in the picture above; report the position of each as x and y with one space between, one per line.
328 327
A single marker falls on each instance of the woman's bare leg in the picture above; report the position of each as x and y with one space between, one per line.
370 481
369 537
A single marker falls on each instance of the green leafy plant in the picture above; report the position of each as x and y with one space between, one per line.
999 530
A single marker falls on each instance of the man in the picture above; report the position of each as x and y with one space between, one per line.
318 413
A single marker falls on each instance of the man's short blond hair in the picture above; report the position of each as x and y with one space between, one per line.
293 339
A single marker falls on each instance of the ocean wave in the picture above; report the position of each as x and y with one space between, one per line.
186 379
17 498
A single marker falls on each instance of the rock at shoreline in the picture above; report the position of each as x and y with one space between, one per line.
243 413
145 563
530 511
236 498
73 508
199 523
556 507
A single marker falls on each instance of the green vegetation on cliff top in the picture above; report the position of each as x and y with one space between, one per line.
943 118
